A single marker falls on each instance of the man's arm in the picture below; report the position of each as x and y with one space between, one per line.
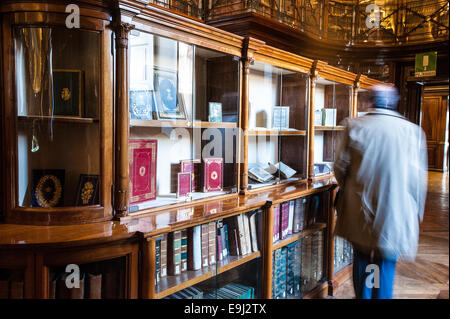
342 160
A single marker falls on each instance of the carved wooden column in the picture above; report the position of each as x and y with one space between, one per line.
246 62
311 130
354 110
121 198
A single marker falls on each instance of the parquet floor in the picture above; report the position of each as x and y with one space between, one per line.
428 276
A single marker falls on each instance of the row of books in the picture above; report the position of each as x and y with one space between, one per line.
229 291
202 246
294 216
11 285
297 267
343 253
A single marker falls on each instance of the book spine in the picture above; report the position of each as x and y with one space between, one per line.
291 217
183 250
174 253
212 243
283 272
219 248
276 223
94 286
194 248
248 242
284 220
205 244
223 236
227 243
163 262
253 231
241 234
158 260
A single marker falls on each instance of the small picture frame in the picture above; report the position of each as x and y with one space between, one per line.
169 103
67 92
48 188
215 112
142 104
87 191
184 187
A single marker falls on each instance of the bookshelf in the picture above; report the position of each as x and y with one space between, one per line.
165 81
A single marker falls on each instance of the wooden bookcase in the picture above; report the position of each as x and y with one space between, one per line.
134 48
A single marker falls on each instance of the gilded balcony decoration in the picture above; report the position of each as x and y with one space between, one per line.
350 21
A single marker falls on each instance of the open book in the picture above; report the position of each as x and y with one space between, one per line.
263 175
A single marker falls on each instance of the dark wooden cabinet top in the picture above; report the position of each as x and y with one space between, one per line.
153 224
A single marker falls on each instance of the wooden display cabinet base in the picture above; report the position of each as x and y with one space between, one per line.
339 278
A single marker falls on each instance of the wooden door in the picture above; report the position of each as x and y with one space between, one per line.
434 123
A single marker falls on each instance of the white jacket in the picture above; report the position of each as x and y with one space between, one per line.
381 168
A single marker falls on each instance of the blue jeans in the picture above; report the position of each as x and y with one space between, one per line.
364 278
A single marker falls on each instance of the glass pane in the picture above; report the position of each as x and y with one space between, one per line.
363 102
333 102
184 103
58 133
277 125
99 280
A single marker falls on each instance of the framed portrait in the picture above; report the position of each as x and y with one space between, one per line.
48 188
67 92
142 104
87 191
169 103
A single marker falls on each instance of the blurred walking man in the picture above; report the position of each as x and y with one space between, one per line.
381 168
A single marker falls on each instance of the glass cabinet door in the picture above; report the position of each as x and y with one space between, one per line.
333 103
58 95
277 125
363 102
184 114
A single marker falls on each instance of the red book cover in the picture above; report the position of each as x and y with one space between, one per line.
184 184
191 166
142 170
284 220
212 174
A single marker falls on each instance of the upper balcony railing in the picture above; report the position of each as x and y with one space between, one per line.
390 22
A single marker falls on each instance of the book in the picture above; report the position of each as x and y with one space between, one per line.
157 260
212 174
224 239
259 174
142 104
329 117
163 266
212 243
291 217
215 112
94 286
299 214
253 230
242 237
174 253
318 117
246 222
233 233
276 223
284 220
184 184
183 250
227 245
205 245
192 166
143 155
280 117
280 169
219 252
194 248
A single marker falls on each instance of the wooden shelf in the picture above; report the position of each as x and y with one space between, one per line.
171 284
275 132
59 119
329 128
181 123
294 237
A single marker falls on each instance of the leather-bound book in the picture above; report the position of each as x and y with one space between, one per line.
142 170
212 174
157 260
4 289
174 253
247 235
194 247
94 286
291 217
193 167
163 270
253 230
299 214
212 243
184 254
205 245
284 220
276 223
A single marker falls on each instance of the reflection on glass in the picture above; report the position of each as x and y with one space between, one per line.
58 138
185 100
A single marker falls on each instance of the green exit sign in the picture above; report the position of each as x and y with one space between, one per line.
426 64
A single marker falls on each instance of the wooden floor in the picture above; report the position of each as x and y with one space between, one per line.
427 277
